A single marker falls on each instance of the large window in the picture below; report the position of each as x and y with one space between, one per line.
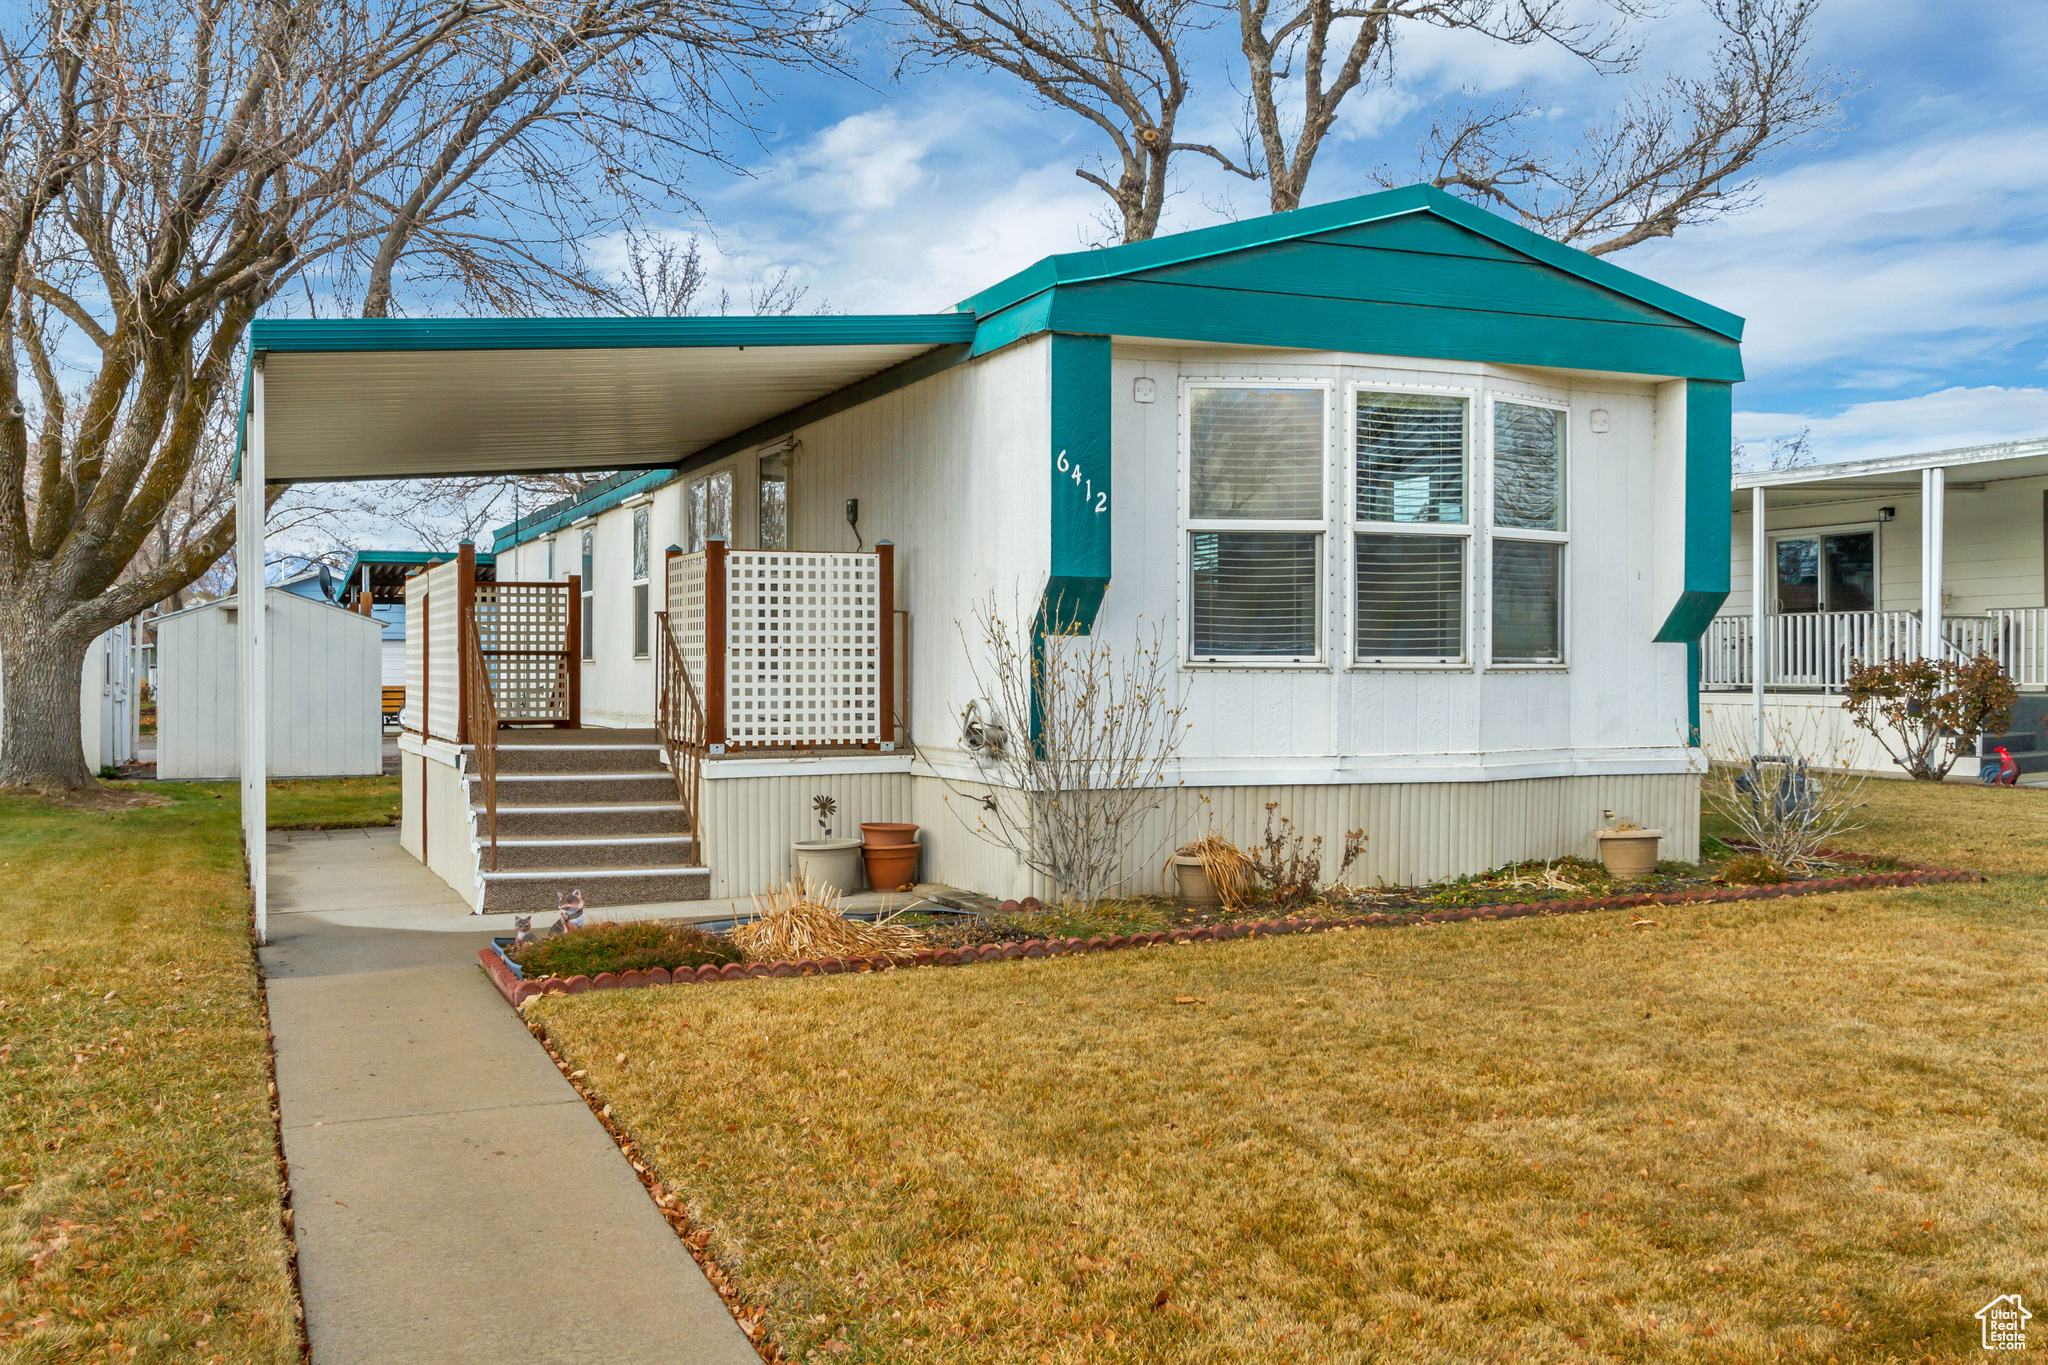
1412 532
1829 571
589 600
775 501
1256 520
1528 544
640 582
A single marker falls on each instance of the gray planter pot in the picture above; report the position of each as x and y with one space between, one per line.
830 863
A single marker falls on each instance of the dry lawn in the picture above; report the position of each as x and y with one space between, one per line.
140 1214
1802 1130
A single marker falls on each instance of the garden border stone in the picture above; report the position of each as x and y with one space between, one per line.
518 991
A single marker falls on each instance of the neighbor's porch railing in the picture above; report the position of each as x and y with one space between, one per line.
796 649
527 634
1817 650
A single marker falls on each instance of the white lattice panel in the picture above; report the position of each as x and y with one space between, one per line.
686 611
524 630
801 652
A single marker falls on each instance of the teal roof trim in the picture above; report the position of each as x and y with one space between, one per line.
575 334
1111 262
600 498
362 557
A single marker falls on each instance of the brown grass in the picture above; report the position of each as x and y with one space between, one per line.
1802 1130
140 1213
803 921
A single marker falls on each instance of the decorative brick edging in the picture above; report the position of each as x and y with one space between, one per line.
518 992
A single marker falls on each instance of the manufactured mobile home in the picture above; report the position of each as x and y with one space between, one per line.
1431 510
1942 554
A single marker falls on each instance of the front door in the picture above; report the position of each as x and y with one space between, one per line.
1819 574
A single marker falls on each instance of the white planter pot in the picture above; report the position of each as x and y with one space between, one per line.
831 864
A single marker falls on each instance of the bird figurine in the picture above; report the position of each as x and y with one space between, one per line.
522 931
2008 769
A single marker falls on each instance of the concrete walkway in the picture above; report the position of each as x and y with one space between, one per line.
454 1198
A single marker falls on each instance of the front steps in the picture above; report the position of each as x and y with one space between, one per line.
588 810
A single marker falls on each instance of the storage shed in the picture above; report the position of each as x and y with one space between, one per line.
323 691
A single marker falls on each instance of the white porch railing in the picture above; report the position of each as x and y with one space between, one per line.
792 649
1818 650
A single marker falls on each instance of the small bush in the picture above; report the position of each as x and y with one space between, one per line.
1754 869
636 946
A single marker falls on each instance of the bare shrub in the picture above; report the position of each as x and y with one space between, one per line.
1291 866
1788 806
1927 713
1089 736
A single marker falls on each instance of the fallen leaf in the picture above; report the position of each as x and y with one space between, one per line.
1159 1299
1188 1000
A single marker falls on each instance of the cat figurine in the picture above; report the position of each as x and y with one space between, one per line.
570 911
522 931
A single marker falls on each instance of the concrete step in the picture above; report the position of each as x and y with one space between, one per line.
602 818
580 789
539 889
576 759
632 850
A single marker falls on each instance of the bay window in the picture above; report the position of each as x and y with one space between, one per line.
1529 540
1256 521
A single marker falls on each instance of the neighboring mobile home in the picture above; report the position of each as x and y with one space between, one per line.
1856 560
374 583
1432 511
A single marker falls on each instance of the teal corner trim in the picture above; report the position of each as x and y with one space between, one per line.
1709 506
1078 462
1692 692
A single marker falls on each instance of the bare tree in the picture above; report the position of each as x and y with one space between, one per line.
167 167
1119 64
1295 81
1678 153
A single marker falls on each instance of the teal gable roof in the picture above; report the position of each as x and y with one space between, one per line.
1411 272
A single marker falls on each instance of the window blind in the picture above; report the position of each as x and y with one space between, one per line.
1254 594
1525 602
1411 458
1256 454
1410 598
1528 467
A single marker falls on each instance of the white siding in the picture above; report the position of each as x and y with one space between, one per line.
324 694
431 663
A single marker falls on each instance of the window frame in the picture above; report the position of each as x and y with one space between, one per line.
1187 526
1468 530
1773 607
586 590
701 479
640 558
1561 538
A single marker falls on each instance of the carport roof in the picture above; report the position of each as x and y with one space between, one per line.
412 398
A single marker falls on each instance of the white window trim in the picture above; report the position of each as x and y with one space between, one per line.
1186 525
730 464
1347 557
1563 663
640 507
1771 538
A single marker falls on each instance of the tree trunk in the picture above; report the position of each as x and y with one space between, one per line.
41 742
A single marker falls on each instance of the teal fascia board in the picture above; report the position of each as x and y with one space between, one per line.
242 420
1112 262
582 334
362 557
603 498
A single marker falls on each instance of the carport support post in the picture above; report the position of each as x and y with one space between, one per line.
254 691
1759 602
1933 519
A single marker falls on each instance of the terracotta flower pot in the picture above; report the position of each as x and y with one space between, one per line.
1629 853
891 867
887 835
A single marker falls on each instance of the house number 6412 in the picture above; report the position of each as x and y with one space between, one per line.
1089 493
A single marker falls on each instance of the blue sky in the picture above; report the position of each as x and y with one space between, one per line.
1894 280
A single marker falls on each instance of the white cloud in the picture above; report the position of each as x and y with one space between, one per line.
1943 420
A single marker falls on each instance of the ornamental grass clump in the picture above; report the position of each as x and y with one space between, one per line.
806 921
638 945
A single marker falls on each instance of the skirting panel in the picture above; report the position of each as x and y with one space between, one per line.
1416 832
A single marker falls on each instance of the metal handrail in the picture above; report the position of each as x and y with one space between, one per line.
679 716
480 724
